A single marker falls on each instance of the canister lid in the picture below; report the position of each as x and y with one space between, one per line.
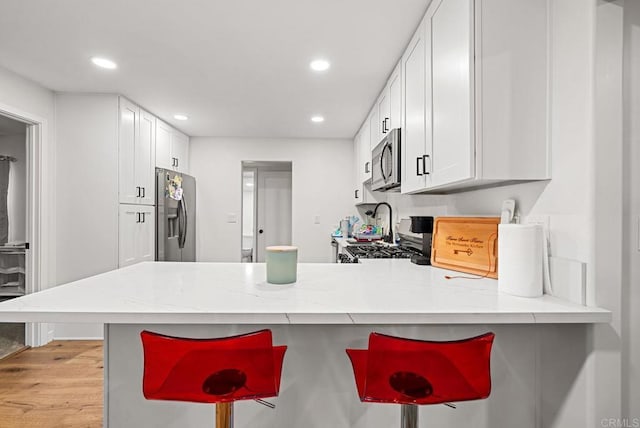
282 248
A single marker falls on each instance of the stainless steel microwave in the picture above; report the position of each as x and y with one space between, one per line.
385 162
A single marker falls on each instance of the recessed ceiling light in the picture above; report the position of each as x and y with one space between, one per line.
104 63
180 117
317 119
320 65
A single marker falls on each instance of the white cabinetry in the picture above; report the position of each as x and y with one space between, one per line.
415 137
452 95
172 148
388 106
136 153
137 234
365 152
475 96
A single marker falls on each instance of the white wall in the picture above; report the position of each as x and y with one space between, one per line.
87 200
321 186
15 145
631 258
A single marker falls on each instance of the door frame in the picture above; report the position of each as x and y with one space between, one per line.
40 215
254 243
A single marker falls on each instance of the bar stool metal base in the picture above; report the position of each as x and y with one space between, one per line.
408 416
224 415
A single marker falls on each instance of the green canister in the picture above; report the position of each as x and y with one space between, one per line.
282 264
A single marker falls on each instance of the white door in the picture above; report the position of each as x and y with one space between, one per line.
453 143
274 210
127 225
163 145
416 145
128 136
145 234
145 158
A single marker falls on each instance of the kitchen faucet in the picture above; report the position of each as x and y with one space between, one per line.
389 236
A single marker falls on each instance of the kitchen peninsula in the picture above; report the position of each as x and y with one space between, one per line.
540 343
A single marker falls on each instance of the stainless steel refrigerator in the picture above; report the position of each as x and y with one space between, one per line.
175 216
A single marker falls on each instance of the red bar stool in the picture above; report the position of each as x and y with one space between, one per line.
412 372
220 370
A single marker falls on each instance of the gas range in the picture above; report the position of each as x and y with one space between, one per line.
354 252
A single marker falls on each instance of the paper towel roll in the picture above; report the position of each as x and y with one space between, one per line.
520 259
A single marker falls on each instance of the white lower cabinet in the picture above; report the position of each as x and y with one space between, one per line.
136 234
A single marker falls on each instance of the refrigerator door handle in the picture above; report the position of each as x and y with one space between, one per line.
185 217
180 220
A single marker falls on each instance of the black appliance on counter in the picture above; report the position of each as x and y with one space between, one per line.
423 225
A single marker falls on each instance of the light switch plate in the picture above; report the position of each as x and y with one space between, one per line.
231 218
316 219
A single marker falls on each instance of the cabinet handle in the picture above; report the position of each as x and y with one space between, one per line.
177 162
137 217
424 164
143 215
386 129
356 192
143 193
418 159
366 168
137 191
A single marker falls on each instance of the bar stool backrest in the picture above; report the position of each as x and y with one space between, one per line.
215 370
407 371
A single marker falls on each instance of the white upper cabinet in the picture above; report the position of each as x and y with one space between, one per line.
452 95
128 126
163 145
180 151
395 99
415 137
136 154
384 116
145 158
172 148
365 152
475 96
374 130
386 113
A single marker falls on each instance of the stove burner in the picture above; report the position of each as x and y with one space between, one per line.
373 251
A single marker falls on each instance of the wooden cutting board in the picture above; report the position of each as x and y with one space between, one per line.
466 244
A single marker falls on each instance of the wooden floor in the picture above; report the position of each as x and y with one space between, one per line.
57 385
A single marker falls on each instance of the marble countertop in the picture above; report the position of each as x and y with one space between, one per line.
385 292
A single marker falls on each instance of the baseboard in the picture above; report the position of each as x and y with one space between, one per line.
78 338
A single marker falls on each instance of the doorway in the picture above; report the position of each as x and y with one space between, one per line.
266 207
13 225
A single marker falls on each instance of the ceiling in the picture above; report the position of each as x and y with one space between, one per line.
236 68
